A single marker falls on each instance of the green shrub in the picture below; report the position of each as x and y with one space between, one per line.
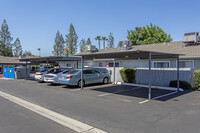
182 84
197 78
128 75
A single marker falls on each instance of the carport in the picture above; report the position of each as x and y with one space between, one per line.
130 55
48 60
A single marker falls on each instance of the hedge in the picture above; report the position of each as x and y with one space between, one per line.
182 84
128 75
197 78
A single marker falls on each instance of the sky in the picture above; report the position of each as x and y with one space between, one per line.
35 22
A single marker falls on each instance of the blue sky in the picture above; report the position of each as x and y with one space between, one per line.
36 22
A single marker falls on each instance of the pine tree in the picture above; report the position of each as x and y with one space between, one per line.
58 47
82 45
5 37
88 42
17 48
110 41
71 41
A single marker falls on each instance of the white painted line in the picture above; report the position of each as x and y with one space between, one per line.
54 116
116 92
143 101
156 87
75 90
164 95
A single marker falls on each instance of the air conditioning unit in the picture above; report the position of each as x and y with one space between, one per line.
124 45
91 48
192 37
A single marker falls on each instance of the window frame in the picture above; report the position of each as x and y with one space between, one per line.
153 64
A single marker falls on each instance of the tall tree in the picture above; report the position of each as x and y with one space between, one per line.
58 47
99 39
82 45
28 53
148 35
110 41
104 40
17 48
88 42
5 37
71 41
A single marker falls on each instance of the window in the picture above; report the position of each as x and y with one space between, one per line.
111 64
73 72
95 72
87 72
186 64
161 64
68 64
100 64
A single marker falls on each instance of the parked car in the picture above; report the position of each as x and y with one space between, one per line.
90 76
39 76
54 76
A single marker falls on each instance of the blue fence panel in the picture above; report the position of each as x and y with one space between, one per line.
5 72
11 73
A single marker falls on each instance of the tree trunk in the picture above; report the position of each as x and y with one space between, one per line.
104 44
99 44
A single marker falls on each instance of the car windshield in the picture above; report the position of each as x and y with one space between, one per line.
43 70
55 72
73 72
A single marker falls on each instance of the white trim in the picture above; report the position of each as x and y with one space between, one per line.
160 61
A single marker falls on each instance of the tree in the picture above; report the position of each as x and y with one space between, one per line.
104 40
82 45
88 42
71 41
17 48
58 47
110 41
148 35
27 53
99 39
5 37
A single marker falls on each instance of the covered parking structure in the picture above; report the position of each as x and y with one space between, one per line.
48 60
130 55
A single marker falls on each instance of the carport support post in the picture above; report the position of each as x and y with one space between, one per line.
149 75
82 62
114 71
77 64
178 73
26 69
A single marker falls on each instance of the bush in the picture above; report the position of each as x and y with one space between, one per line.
128 75
197 78
182 84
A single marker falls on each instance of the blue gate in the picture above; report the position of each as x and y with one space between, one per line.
5 72
11 73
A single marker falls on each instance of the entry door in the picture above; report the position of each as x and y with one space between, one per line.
11 73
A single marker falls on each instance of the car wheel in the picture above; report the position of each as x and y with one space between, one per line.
79 83
105 80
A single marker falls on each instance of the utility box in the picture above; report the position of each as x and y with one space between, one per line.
21 72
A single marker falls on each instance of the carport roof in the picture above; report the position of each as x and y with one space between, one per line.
137 54
50 59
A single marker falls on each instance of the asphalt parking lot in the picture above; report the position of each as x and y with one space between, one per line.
114 108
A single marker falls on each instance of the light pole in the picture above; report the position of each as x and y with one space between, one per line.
39 50
138 29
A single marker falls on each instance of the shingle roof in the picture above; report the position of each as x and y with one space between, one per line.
170 47
9 60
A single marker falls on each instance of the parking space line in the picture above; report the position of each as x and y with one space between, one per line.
66 121
143 101
75 90
164 95
116 92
